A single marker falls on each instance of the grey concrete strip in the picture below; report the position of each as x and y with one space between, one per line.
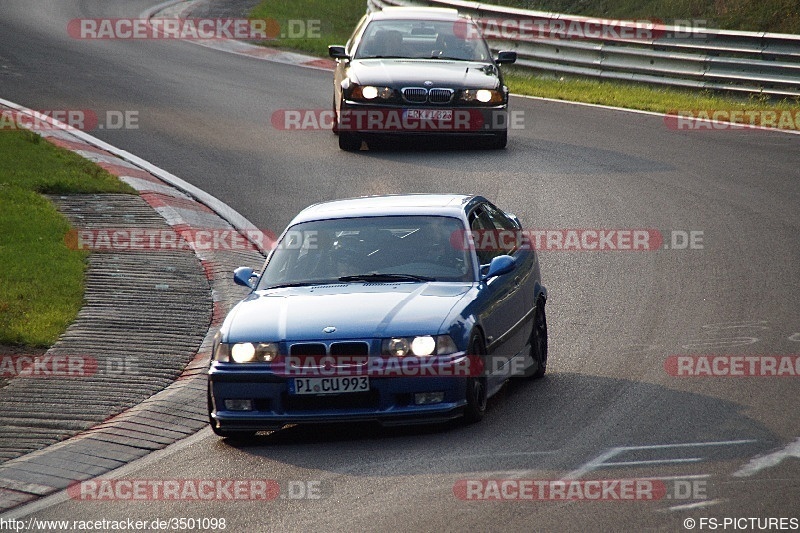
144 336
82 459
24 488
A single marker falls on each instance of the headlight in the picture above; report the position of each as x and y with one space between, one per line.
243 352
421 346
369 93
246 352
485 96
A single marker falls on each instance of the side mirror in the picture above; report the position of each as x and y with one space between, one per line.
515 219
502 264
506 56
337 52
244 276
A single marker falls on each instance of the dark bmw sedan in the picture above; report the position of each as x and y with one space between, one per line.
418 71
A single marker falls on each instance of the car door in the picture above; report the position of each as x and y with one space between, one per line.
501 299
514 243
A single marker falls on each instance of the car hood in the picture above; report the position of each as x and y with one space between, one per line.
355 310
413 72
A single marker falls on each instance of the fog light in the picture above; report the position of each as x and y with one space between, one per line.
422 398
239 405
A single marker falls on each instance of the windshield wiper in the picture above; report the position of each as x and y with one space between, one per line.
383 57
301 284
451 58
385 277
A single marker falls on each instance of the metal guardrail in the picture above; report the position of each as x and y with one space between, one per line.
747 62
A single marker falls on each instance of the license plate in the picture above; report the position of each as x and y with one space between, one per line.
430 114
336 385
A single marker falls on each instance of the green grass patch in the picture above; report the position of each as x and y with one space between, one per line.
41 280
337 20
639 96
781 16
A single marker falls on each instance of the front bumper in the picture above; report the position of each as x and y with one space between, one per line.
389 400
387 120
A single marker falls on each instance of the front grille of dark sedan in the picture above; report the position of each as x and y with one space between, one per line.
420 95
440 96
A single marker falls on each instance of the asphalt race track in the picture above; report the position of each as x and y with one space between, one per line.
615 317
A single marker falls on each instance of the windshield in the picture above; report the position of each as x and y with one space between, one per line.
422 39
398 248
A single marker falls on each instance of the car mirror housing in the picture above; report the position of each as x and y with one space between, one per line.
502 264
506 57
337 52
244 276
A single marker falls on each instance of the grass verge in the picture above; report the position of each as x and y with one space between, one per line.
649 97
339 17
41 280
337 20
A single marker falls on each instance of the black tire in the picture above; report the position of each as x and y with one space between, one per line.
499 141
233 435
539 340
476 385
335 127
349 142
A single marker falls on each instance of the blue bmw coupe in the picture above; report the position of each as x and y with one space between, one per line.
397 309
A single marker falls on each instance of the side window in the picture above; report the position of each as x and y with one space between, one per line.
351 41
483 227
500 220
508 234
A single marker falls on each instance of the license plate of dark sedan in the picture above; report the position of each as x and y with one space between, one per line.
329 385
430 114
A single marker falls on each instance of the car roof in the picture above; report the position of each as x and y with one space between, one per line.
421 13
453 205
